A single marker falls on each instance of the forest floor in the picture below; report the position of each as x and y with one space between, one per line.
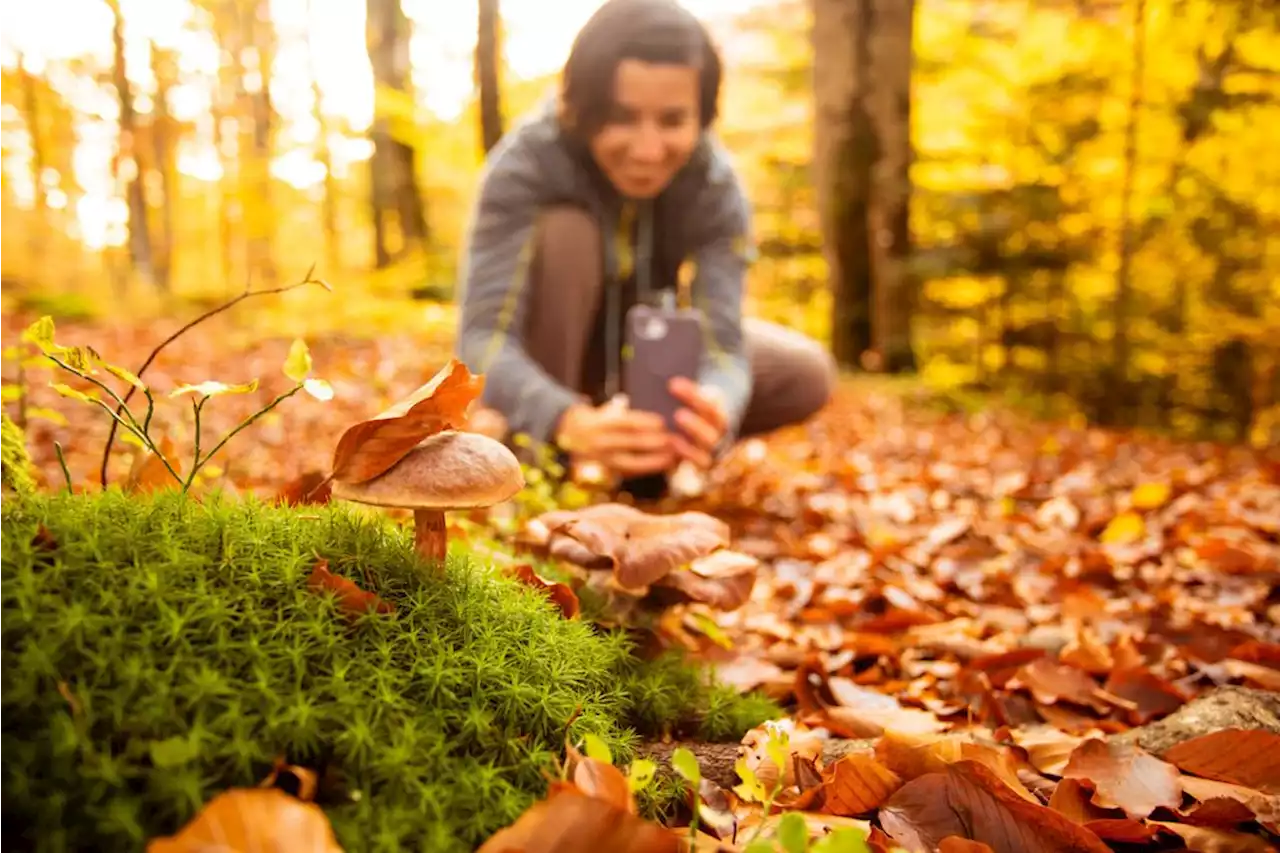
925 573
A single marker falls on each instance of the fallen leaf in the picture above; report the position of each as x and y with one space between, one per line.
148 473
1126 777
910 756
265 819
311 487
969 801
1152 696
1073 800
1248 757
1048 749
351 597
1264 807
570 821
1051 682
956 844
370 448
856 784
560 594
854 711
1204 839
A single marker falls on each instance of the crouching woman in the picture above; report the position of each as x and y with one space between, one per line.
593 203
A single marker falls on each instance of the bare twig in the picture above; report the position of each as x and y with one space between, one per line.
111 436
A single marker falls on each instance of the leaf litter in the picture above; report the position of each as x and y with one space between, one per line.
984 602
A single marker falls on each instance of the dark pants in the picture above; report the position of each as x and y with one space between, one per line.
792 375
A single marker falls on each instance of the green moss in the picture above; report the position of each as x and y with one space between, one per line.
15 463
168 649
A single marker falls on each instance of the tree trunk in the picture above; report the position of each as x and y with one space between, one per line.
487 52
257 32
329 204
845 149
126 165
164 68
890 102
34 119
393 175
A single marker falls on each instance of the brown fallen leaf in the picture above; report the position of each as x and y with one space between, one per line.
148 473
1265 808
1203 839
570 821
1248 757
560 594
310 487
1051 682
351 597
370 448
1152 696
1126 777
970 801
261 819
910 756
956 844
856 784
1047 748
854 711
1073 800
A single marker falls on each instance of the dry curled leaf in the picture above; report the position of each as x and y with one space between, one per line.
1124 776
561 595
854 711
856 784
1265 808
310 487
370 448
1051 682
351 597
1248 757
1203 839
970 801
956 844
570 821
261 819
147 472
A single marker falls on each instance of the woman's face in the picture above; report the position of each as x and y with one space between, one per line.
653 129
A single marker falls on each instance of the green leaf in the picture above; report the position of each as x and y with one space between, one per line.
640 774
776 747
843 840
41 333
298 363
121 373
712 631
749 788
210 388
319 389
684 763
793 833
172 752
596 748
50 415
68 391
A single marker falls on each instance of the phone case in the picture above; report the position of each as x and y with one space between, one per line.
661 343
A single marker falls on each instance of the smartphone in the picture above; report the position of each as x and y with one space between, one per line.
661 342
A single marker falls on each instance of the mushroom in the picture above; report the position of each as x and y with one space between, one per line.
451 470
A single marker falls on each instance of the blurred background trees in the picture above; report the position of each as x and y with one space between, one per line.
1073 203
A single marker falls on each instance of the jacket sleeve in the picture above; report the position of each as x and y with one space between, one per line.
718 286
495 297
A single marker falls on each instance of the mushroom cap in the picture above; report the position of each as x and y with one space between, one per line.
449 470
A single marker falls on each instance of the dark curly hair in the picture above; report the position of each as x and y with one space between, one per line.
654 31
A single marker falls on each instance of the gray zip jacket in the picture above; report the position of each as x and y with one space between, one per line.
703 216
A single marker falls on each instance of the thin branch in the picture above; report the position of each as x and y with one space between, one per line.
111 436
247 422
62 461
196 407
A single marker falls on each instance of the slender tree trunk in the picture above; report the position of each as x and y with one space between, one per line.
890 101
162 141
1121 307
34 119
393 165
255 88
127 168
487 61
845 149
329 204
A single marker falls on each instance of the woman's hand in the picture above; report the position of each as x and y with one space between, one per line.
702 421
626 441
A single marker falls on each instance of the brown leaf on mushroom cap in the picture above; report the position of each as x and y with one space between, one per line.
371 447
449 470
265 819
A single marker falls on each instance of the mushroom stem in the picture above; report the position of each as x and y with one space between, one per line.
430 535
